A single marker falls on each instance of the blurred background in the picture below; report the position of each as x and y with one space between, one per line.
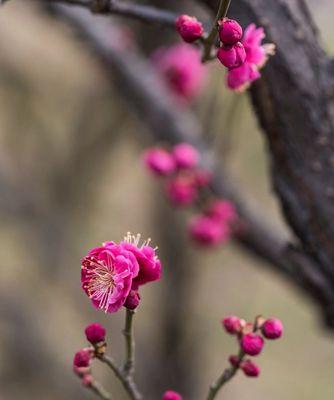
71 178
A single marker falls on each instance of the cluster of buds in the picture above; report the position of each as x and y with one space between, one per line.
186 184
231 53
189 28
251 338
95 334
242 54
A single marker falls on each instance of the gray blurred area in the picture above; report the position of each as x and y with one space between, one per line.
71 178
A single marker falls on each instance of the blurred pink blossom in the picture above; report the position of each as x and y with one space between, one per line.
159 161
181 68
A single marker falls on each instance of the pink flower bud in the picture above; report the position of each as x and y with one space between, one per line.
272 328
87 380
234 361
222 210
207 231
230 31
189 28
170 395
232 56
133 300
82 358
95 333
185 156
81 371
252 344
232 324
159 161
250 369
181 191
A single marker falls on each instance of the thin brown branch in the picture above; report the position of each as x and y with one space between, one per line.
140 12
99 390
126 379
210 40
225 377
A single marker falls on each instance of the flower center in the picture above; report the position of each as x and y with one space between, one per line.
101 285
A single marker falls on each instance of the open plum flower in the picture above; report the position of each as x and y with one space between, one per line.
110 272
257 55
148 261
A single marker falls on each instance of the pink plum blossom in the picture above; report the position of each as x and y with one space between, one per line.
250 369
185 156
233 324
133 300
87 380
170 395
252 344
222 210
232 56
82 358
207 231
159 161
189 28
148 261
182 190
272 328
95 333
234 360
230 31
182 70
256 57
203 178
107 273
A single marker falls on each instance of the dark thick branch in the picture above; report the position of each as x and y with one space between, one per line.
142 88
118 7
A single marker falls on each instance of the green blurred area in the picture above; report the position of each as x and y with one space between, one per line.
63 191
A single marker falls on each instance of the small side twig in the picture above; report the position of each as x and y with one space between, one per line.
226 376
127 381
99 390
209 41
229 372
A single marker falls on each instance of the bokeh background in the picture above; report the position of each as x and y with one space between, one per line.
71 177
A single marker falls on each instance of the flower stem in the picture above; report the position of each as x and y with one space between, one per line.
225 377
129 343
99 390
125 374
126 380
209 41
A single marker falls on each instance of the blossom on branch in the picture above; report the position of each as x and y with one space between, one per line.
257 55
181 69
189 28
110 272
